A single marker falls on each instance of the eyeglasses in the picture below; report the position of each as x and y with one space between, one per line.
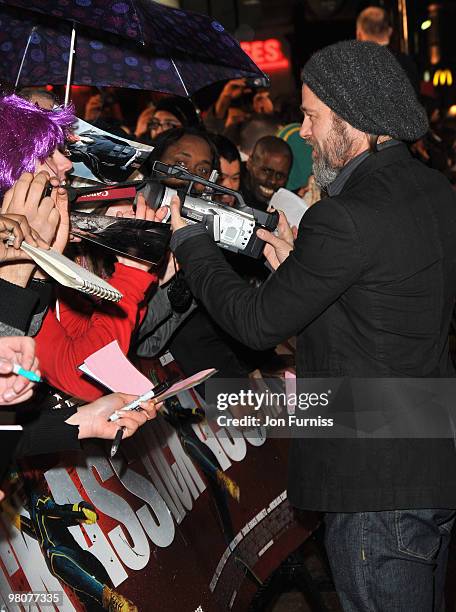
165 125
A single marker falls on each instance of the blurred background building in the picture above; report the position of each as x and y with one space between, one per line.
281 34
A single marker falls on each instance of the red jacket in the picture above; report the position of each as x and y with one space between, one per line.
85 326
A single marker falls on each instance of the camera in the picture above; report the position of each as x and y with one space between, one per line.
258 82
233 229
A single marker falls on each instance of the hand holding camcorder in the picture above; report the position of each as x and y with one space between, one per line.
233 229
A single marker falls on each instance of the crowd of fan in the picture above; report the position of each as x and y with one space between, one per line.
253 143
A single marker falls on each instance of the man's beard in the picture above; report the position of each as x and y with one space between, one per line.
331 157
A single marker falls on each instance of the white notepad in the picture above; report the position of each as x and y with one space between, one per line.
66 272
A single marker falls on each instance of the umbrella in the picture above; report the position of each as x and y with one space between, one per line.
164 29
119 17
39 49
44 51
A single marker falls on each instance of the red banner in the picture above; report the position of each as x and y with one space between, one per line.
150 527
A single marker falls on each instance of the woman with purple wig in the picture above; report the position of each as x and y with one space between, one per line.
29 138
31 141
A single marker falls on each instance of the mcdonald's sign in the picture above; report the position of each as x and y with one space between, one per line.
443 77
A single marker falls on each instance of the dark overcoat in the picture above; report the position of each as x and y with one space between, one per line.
369 291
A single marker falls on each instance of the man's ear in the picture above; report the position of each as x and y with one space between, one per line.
249 163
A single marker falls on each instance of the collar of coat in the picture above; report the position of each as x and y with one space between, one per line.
339 182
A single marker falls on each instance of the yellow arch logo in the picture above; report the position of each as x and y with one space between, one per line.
443 77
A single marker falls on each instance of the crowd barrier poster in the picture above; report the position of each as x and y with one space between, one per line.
150 527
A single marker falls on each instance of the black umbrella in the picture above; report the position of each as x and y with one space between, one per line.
182 52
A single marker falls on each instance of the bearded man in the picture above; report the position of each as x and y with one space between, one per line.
368 287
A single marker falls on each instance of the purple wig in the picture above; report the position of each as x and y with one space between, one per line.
28 135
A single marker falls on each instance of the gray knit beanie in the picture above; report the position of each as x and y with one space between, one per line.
364 84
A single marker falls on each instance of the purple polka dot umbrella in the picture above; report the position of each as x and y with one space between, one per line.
166 49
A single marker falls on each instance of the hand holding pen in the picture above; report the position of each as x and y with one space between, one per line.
135 406
92 419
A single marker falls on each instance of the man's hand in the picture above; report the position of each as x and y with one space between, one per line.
21 350
177 222
232 89
92 418
310 192
143 211
143 121
278 247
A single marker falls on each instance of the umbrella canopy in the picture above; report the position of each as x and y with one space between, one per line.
104 59
117 16
148 23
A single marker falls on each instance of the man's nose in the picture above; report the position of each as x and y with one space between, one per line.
306 128
275 179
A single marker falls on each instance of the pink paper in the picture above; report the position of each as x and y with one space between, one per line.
112 368
188 383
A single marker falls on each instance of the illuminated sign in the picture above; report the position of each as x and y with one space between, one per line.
443 77
267 54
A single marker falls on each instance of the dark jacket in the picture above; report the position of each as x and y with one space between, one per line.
369 290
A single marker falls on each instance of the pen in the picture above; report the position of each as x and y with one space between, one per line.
134 405
116 442
17 369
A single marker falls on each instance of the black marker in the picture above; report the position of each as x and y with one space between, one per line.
117 440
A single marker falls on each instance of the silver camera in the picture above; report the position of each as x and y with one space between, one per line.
233 229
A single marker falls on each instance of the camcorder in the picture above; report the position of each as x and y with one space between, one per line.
233 229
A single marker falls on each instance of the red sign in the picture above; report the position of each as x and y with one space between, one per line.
267 54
